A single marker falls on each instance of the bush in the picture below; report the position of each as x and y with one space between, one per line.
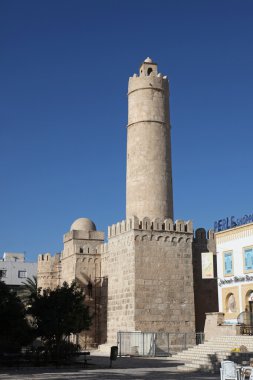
15 330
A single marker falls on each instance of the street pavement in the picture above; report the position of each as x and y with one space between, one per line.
98 367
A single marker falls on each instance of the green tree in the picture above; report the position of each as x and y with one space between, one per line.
30 290
31 284
58 313
15 330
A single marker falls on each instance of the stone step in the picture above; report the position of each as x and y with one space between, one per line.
200 357
214 351
219 348
208 356
200 353
192 357
198 362
185 368
194 368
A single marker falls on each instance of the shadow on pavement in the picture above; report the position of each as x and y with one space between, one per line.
98 368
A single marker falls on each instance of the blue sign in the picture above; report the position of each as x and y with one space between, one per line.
230 222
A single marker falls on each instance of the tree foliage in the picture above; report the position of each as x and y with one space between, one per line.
15 330
30 290
31 284
58 313
52 314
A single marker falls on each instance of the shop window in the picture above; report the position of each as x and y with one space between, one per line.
22 274
248 259
228 263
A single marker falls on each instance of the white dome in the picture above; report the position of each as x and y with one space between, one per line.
83 224
148 60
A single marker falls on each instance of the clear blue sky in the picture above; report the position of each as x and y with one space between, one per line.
64 68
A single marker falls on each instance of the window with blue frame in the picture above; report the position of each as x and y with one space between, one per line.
248 259
228 263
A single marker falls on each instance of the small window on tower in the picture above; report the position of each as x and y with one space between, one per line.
149 71
81 250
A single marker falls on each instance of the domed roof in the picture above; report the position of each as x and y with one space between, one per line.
148 60
83 224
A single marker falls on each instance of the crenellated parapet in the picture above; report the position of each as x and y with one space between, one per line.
146 224
46 262
103 248
202 235
49 268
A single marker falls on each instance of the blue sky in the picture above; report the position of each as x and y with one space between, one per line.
64 70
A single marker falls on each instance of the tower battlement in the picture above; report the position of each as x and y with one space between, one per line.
153 82
47 258
147 224
49 270
46 261
201 235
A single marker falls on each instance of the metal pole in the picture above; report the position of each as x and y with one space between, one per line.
95 299
119 344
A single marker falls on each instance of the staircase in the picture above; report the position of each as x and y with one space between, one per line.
207 356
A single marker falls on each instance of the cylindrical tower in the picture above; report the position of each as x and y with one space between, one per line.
149 173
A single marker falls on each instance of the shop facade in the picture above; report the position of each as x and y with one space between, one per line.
234 249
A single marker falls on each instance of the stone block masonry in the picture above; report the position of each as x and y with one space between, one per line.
150 277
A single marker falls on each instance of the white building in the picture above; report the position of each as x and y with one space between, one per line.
235 271
14 269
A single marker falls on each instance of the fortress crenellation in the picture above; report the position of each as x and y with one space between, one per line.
202 235
146 224
46 260
49 270
159 83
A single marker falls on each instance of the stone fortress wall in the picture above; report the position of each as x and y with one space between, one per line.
205 290
149 269
49 271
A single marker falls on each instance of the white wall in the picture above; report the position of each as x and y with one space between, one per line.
234 240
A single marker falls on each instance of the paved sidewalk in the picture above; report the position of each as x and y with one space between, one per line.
123 369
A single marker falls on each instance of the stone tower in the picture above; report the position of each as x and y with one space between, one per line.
149 174
148 257
143 275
